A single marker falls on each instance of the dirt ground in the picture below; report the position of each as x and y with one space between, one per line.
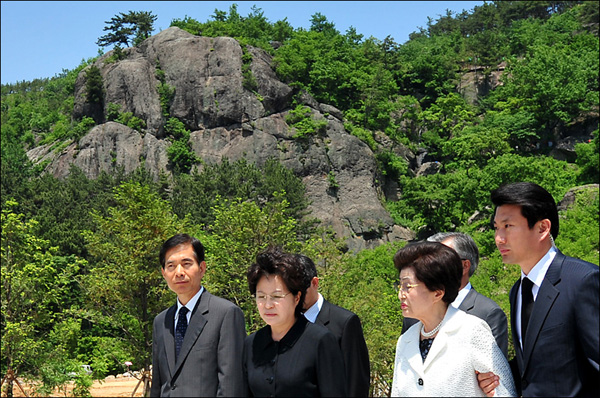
122 387
110 387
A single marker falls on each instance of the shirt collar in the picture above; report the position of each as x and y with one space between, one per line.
538 272
312 313
190 304
461 295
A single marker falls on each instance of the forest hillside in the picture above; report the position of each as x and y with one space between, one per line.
246 132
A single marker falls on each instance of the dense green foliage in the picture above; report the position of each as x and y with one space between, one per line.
80 276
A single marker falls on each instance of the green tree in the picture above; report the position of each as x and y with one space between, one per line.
94 87
196 194
135 26
319 23
556 77
124 286
443 120
240 231
37 293
579 227
475 145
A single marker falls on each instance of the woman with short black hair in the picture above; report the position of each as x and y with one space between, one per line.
290 356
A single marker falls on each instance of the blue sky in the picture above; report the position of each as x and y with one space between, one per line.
41 38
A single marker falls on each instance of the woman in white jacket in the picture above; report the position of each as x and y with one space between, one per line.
440 355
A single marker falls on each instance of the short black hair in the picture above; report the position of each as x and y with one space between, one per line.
536 203
436 265
181 239
275 261
308 267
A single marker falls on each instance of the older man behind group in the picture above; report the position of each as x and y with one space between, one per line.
468 299
346 327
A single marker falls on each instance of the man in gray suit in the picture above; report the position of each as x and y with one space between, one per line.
203 359
468 299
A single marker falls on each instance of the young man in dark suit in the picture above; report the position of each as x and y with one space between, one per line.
555 305
469 300
203 359
346 327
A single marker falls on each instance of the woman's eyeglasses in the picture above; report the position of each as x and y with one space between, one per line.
261 298
405 287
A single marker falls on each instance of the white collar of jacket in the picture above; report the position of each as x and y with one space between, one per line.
450 325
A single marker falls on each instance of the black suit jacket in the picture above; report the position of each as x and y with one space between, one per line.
346 327
306 362
210 361
484 308
562 345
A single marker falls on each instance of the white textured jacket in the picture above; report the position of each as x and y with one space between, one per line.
463 345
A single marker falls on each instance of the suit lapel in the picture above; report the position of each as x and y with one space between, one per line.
513 324
469 301
169 337
543 303
197 322
323 316
450 323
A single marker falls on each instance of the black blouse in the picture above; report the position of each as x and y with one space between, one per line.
307 362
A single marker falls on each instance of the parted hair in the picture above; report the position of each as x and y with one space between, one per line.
464 245
181 239
536 203
275 261
435 265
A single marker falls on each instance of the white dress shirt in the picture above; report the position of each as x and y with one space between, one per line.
313 312
190 306
536 275
461 295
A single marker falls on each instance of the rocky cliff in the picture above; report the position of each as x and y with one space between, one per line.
226 120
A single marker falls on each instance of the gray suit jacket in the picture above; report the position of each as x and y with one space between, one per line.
210 360
347 329
484 308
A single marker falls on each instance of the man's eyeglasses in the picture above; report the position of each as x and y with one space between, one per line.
405 287
261 298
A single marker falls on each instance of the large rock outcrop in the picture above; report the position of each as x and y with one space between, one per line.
228 120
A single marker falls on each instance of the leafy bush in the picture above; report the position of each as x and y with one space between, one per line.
588 159
249 81
302 122
82 128
113 113
579 227
181 157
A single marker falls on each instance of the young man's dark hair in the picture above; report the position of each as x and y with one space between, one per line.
536 203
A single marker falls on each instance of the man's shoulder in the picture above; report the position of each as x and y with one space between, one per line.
576 266
163 314
317 332
482 300
337 311
217 302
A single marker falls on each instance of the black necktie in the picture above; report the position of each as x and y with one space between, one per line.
180 329
526 305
